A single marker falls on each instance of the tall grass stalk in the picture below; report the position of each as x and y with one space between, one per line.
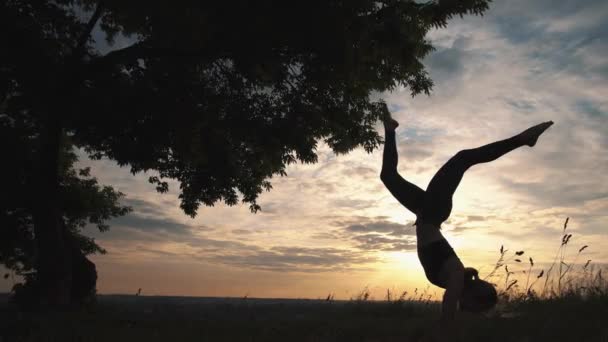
561 278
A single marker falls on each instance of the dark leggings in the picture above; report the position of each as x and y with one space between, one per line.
435 204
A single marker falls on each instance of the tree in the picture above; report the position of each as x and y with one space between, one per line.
218 95
84 202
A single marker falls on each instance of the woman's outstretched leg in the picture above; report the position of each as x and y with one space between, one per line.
438 200
408 194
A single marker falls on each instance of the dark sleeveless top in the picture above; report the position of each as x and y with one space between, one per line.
432 257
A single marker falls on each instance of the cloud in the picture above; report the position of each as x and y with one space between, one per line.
378 234
270 208
148 234
380 242
414 150
326 236
573 193
391 228
149 221
476 218
241 232
521 105
560 35
522 63
448 63
146 224
298 259
353 203
144 207
354 170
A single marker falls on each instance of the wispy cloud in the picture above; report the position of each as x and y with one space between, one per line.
299 259
522 63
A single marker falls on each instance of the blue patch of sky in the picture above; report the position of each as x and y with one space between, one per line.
519 30
103 46
567 55
418 134
393 107
445 63
590 109
558 50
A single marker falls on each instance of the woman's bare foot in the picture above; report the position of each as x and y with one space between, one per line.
390 124
530 136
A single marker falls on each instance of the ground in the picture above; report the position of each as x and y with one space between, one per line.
140 318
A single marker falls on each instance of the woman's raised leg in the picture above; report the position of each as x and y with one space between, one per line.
438 200
408 194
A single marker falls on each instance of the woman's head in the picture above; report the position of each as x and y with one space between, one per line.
478 295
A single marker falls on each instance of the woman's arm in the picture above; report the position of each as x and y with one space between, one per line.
446 330
452 295
454 273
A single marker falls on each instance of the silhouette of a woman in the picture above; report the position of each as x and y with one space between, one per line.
433 206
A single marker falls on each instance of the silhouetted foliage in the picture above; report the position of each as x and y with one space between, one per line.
218 95
222 95
84 202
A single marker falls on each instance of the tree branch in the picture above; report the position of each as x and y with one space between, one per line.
142 50
130 52
84 36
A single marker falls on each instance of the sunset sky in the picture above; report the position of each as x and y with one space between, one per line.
333 228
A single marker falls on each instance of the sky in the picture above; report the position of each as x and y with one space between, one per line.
332 227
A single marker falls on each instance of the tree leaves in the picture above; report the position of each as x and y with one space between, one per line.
82 200
219 96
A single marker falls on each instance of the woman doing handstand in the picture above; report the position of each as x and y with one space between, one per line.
433 206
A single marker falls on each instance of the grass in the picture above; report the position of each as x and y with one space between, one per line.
561 279
566 302
129 318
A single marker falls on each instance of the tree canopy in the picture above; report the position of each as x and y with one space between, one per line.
222 95
218 95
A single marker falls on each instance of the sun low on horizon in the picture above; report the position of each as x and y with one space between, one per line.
333 229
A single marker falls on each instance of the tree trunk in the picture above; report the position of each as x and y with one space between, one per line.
53 260
84 274
55 266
